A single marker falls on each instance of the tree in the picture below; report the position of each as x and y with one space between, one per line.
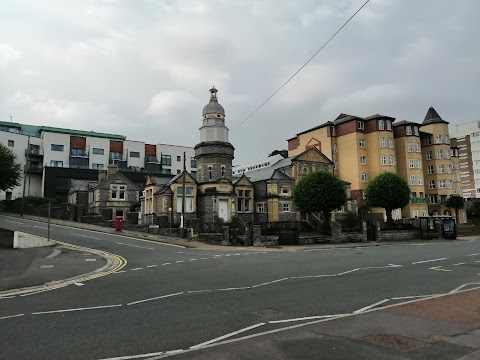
388 191
473 212
455 202
322 192
284 153
11 172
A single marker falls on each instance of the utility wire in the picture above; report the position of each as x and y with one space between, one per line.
301 68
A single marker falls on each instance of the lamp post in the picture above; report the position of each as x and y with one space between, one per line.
170 216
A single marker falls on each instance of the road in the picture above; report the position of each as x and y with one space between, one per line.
169 298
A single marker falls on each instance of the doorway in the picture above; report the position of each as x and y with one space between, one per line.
223 209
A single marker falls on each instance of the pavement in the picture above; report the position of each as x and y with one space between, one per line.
171 301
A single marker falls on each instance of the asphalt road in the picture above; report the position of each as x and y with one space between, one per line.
168 298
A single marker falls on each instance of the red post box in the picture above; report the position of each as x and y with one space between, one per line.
118 223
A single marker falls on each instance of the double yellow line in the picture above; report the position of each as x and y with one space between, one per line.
57 284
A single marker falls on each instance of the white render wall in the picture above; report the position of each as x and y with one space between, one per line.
20 144
50 138
174 151
98 143
137 146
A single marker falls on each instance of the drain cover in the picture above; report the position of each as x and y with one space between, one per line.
395 342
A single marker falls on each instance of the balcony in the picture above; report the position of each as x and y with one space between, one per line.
149 159
418 200
80 153
34 168
34 152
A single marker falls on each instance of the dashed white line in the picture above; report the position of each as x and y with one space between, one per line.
16 222
226 336
151 266
347 272
6 297
78 284
86 236
41 227
180 261
77 309
90 259
427 261
46 266
270 282
155 298
474 254
11 316
371 306
204 258
135 269
140 247
166 263
193 259
119 272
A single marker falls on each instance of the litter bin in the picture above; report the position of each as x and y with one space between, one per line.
288 237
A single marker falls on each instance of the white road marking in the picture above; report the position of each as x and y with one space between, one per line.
197 291
235 288
136 356
270 282
458 264
78 284
7 297
438 268
86 236
141 247
193 259
166 263
474 254
310 276
150 266
226 336
54 253
119 272
46 266
77 309
41 227
90 259
155 298
11 316
204 258
180 261
347 272
370 306
16 222
306 318
413 297
37 292
135 269
427 261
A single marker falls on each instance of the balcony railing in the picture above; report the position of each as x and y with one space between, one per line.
34 168
151 160
418 200
34 152
79 153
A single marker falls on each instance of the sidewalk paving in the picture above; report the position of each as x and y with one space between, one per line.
200 245
442 328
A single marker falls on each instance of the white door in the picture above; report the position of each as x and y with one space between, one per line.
223 209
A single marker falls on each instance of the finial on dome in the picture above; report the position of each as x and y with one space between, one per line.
213 92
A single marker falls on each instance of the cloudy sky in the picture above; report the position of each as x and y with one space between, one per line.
142 68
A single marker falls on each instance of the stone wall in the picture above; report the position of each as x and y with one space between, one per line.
398 235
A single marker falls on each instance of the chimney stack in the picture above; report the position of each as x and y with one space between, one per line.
112 170
102 175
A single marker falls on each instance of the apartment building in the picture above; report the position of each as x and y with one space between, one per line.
52 156
363 147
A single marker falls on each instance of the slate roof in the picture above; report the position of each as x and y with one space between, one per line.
432 117
82 185
266 174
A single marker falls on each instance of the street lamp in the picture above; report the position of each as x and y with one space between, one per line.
170 213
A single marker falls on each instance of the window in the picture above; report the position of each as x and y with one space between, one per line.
390 143
118 192
115 155
439 154
244 197
415 130
364 178
424 212
430 170
408 130
179 158
210 173
449 184
381 125
334 148
361 125
193 162
55 163
431 184
412 179
443 199
361 143
286 207
428 140
11 143
383 160
419 164
335 164
392 160
188 199
333 130
134 154
441 184
179 171
428 155
56 147
97 166
166 160
382 142
98 151
223 170
414 213
420 179
438 139
447 154
417 147
363 160
8 195
389 125
410 147
411 163
285 192
447 139
454 189
441 169
433 199
261 208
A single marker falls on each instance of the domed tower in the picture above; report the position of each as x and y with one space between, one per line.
214 153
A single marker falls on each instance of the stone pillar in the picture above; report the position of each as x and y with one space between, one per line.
256 235
364 231
225 235
378 231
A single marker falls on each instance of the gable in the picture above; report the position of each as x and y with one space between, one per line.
314 143
189 179
116 179
314 155
243 181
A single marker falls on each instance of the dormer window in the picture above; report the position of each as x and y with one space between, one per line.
361 125
333 130
415 130
381 125
389 125
408 130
